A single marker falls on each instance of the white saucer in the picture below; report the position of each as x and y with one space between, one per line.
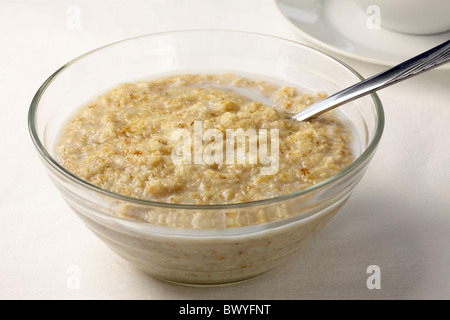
341 27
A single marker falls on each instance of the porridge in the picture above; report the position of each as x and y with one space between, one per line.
123 141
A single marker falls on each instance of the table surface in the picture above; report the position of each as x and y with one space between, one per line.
398 218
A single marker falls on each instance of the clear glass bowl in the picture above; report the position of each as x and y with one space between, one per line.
207 256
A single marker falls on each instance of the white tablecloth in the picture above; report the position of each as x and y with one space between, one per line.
398 218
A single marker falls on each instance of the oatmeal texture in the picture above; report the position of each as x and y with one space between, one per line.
122 141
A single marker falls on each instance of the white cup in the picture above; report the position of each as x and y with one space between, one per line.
412 16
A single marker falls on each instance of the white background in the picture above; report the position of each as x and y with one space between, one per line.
398 217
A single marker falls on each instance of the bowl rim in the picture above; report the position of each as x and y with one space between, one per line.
51 161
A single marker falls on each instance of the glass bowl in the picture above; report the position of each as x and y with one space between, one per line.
229 248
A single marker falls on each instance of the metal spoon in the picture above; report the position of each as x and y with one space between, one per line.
423 62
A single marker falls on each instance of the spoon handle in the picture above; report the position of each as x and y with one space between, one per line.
423 62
